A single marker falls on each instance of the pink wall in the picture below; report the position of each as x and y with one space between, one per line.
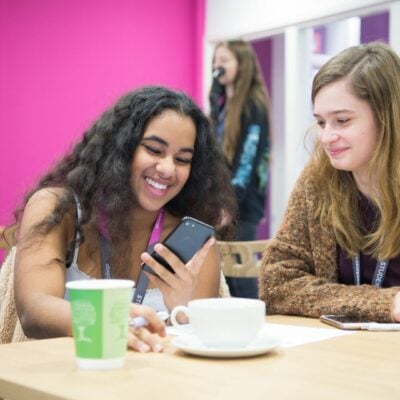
63 62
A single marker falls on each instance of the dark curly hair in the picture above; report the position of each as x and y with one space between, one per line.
98 169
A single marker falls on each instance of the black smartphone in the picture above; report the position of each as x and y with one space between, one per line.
184 241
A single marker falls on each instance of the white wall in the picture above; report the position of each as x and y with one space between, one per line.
289 22
238 18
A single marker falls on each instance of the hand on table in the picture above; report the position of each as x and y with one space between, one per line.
146 338
396 308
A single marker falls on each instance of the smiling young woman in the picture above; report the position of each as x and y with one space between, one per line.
337 250
347 130
148 161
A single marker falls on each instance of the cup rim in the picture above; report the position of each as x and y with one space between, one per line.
100 284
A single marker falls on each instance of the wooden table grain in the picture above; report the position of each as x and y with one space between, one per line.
364 365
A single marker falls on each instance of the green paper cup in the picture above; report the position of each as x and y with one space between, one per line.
100 315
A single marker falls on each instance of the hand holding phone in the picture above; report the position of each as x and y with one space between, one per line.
184 241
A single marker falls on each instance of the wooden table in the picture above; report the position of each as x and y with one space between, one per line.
365 365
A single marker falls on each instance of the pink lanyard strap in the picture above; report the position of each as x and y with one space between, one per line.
157 228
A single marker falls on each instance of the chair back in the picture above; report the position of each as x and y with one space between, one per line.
241 259
7 237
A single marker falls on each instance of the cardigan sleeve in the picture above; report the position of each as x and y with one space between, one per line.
299 269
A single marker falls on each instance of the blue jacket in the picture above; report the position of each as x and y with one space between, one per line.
250 165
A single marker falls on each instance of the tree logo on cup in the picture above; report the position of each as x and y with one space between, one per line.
84 316
117 318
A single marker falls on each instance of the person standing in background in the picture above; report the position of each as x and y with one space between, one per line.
240 112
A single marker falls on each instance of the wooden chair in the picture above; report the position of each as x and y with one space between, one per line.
241 259
3 242
6 237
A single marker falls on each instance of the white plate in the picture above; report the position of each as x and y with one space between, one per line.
192 345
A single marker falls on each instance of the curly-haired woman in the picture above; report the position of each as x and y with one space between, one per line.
148 161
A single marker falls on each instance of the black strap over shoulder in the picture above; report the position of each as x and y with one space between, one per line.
105 250
74 249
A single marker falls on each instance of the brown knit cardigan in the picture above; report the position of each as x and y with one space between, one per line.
299 272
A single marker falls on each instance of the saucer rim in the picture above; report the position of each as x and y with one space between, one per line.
261 345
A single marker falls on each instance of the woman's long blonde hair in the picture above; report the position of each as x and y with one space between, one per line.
248 85
373 73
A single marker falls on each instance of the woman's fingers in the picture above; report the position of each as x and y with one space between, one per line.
147 338
396 308
141 339
184 272
199 258
179 287
162 272
155 324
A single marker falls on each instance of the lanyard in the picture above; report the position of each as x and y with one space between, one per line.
143 280
155 235
379 274
106 253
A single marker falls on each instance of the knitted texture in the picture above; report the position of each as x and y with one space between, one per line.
299 272
10 327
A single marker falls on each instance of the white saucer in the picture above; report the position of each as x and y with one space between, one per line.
192 345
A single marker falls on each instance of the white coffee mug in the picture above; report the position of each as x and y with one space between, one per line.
224 322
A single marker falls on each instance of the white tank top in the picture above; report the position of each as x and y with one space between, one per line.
153 298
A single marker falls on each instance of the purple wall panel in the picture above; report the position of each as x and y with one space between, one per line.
375 27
